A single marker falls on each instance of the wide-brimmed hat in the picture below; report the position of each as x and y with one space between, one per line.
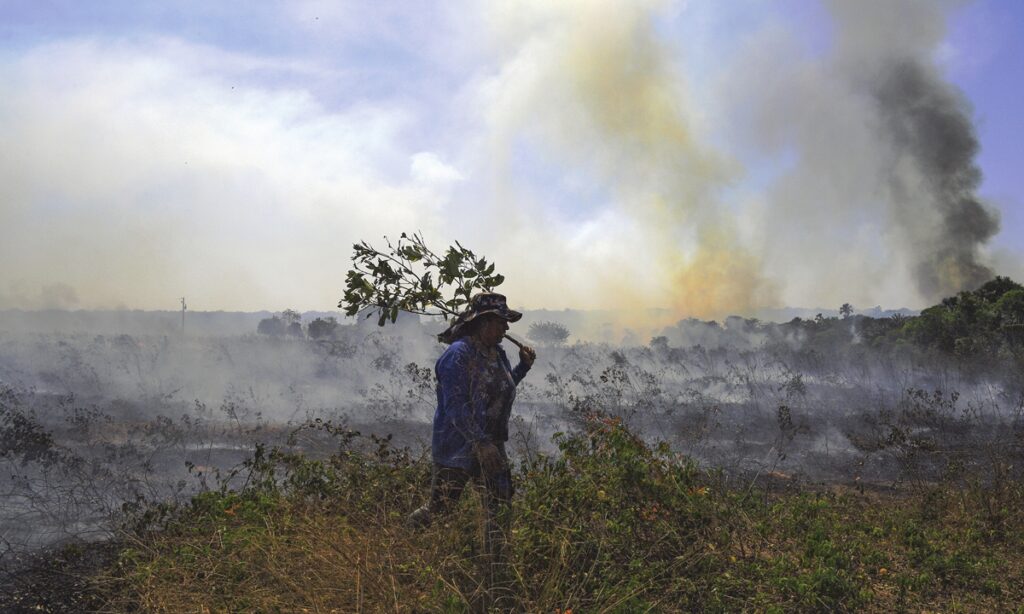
480 304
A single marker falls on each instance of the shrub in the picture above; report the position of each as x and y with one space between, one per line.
322 328
548 333
273 326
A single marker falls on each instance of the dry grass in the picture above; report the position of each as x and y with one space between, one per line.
609 525
302 556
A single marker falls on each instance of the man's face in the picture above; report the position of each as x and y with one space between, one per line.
492 329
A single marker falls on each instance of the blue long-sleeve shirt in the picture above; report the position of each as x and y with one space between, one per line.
475 391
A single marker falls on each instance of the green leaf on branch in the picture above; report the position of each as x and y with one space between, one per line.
409 276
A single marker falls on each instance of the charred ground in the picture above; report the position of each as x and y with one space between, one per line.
873 461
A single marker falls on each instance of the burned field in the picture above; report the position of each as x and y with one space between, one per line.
93 424
98 431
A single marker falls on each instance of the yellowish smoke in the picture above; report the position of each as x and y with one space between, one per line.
608 99
722 278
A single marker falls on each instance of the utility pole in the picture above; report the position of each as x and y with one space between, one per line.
183 316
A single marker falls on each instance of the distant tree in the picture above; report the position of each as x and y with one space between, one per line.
992 290
659 343
1010 311
295 330
290 316
935 327
409 276
322 328
1011 304
846 310
273 326
548 333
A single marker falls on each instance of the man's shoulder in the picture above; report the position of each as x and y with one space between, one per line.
459 346
458 349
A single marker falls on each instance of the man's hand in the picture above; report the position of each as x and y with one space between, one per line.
491 461
527 355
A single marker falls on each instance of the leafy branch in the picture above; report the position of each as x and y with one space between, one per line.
409 276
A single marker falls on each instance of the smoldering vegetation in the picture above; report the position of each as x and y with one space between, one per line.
95 426
96 429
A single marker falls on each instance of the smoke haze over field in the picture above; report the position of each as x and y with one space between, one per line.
690 156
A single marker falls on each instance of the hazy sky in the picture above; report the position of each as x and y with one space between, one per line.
709 157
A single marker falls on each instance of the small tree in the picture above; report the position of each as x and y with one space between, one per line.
273 327
846 310
548 333
290 316
409 276
322 328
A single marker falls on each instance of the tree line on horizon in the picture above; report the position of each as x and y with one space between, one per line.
984 323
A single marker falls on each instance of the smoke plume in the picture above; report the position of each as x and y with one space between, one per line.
883 182
597 150
927 125
932 132
593 87
875 198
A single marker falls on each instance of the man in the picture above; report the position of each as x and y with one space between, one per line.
476 386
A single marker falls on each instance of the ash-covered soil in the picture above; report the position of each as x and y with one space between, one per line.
94 429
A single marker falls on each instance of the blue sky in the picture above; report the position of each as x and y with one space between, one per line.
233 151
989 68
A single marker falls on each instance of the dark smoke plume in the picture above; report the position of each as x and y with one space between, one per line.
929 142
929 123
882 187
